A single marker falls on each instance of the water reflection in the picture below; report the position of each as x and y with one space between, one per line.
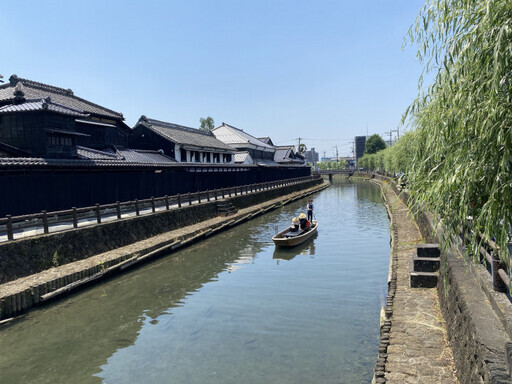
228 310
305 249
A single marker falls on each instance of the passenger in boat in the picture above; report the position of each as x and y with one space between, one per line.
304 222
295 225
310 210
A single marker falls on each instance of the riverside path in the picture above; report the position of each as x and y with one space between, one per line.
418 349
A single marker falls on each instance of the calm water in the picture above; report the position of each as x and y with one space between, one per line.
228 310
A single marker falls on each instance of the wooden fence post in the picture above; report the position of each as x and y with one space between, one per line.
75 218
153 204
10 233
118 209
98 213
207 195
45 223
137 207
199 197
166 202
189 199
497 284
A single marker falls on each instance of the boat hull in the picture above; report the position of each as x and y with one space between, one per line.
282 241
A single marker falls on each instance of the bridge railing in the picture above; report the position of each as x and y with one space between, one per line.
11 226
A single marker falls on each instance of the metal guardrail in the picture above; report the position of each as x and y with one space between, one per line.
98 212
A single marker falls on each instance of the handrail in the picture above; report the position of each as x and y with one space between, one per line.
43 218
489 252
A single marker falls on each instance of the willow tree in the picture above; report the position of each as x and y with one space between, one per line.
462 166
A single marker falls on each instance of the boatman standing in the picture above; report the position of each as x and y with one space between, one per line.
310 210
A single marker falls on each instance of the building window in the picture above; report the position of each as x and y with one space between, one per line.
60 140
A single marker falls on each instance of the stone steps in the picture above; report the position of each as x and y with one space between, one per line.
425 264
226 208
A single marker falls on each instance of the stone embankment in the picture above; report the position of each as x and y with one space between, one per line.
459 331
90 254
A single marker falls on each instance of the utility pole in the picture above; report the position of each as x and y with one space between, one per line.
390 132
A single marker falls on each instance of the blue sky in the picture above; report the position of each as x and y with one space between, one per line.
325 71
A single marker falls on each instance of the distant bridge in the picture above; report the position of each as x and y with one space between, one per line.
348 172
337 172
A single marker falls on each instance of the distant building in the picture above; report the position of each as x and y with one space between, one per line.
311 156
360 142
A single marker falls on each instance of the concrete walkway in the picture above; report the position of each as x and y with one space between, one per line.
418 349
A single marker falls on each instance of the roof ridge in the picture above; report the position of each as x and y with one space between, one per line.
96 151
176 126
14 80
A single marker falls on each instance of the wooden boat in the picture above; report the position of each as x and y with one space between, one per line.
287 238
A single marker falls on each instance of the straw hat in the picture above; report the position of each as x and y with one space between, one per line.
302 216
294 220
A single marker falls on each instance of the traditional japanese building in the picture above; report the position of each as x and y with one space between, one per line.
186 145
287 155
59 151
47 121
260 152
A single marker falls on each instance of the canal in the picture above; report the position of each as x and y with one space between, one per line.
231 309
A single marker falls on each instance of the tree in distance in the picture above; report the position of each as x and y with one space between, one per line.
374 144
206 124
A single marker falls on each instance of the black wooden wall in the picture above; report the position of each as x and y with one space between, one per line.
31 190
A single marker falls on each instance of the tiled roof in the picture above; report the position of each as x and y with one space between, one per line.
85 153
243 158
185 136
265 162
136 156
287 154
146 161
18 87
41 105
266 140
146 157
239 139
282 154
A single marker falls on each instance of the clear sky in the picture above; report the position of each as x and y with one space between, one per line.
325 71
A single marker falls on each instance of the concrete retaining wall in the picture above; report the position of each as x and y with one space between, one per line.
25 257
17 297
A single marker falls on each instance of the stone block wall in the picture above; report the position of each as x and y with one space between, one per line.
25 257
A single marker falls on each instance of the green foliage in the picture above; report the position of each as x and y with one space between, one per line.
206 124
374 144
302 148
55 259
461 160
332 165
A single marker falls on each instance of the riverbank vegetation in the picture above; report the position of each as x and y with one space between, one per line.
457 159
